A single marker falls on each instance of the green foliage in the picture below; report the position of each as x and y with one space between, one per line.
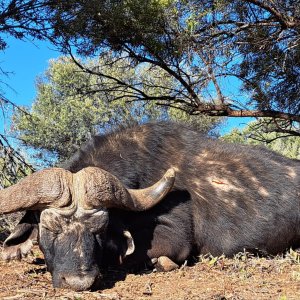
22 19
121 21
201 122
198 44
254 134
72 105
63 116
13 166
177 53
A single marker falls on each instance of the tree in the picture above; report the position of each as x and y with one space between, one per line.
13 165
253 134
197 46
72 105
22 19
200 44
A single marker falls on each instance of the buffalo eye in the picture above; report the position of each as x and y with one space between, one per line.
96 225
97 222
51 221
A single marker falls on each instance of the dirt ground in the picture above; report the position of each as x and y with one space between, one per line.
242 277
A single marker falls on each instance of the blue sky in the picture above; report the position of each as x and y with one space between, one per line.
25 60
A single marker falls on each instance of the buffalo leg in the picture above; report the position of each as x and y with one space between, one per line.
22 238
164 264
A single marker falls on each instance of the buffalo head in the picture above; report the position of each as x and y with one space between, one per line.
74 217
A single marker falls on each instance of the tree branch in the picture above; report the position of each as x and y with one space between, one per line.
283 20
226 110
165 67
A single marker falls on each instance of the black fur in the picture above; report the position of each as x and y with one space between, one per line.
227 198
232 197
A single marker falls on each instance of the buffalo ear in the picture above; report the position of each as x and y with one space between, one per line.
130 243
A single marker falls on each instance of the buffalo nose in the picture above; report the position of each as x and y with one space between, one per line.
79 283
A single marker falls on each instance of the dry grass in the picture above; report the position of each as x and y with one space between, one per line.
219 278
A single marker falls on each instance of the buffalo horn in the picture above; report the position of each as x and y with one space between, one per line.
143 199
49 187
97 188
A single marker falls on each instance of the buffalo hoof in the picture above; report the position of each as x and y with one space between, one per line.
164 264
17 251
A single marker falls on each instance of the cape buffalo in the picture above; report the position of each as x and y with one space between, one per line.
155 193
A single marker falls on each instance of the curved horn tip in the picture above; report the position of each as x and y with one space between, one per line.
170 173
148 197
